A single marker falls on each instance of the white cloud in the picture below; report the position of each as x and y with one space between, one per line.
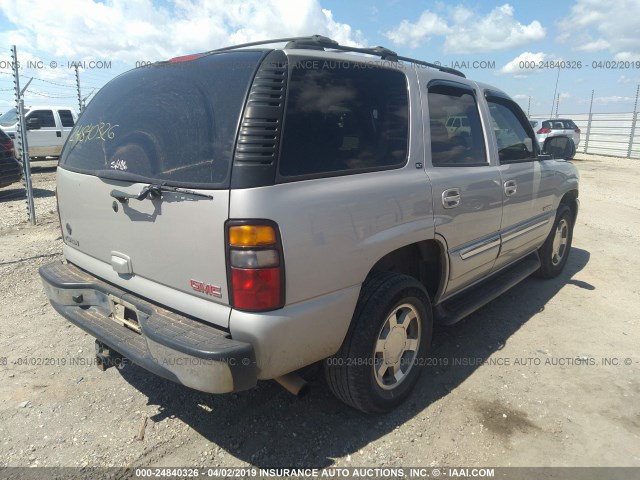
130 31
468 32
594 46
413 34
627 56
524 64
623 79
597 26
613 99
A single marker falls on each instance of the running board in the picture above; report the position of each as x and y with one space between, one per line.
468 301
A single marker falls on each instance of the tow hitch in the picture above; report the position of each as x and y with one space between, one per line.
107 357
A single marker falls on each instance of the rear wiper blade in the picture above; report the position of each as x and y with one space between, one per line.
154 191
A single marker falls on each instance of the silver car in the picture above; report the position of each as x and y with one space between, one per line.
321 211
551 127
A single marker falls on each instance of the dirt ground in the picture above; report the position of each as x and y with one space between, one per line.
546 375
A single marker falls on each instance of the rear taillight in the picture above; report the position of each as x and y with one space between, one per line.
7 144
577 130
544 130
255 266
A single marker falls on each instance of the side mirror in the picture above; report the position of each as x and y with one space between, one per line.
33 123
558 148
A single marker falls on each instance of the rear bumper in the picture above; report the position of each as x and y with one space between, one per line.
170 345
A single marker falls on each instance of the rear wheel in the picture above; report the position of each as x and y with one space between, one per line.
379 362
555 250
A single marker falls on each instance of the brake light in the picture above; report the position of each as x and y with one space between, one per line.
577 130
7 144
544 130
255 266
185 58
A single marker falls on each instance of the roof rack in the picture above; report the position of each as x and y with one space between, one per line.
319 42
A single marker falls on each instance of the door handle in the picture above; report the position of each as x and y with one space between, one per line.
510 187
451 198
58 134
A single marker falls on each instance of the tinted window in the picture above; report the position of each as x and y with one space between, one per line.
569 125
464 146
344 120
9 117
66 118
45 117
509 124
173 122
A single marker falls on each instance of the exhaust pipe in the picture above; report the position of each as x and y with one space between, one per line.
294 383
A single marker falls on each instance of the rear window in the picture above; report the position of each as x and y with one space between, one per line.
45 118
553 124
173 122
66 117
9 118
344 120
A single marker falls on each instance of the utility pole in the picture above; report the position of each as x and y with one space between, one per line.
529 107
586 142
633 123
79 93
84 100
554 93
557 104
21 136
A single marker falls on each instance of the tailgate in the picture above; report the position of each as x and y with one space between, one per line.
176 241
172 125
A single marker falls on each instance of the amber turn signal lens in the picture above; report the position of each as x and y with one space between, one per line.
251 235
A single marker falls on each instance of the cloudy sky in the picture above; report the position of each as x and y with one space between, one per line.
488 41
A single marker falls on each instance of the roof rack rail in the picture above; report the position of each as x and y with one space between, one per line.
319 42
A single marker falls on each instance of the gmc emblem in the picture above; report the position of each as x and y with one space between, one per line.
201 287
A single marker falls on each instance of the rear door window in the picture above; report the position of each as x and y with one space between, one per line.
170 122
344 120
460 146
45 118
66 117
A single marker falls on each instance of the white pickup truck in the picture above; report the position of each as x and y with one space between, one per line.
47 128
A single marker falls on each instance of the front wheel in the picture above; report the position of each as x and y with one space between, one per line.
555 250
382 355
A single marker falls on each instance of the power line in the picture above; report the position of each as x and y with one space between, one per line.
42 94
53 83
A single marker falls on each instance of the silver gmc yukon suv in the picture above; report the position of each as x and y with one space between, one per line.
239 214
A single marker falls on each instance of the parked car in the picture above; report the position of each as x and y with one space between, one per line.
551 127
10 169
458 125
312 216
47 128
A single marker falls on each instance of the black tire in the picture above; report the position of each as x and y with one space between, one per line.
552 259
351 372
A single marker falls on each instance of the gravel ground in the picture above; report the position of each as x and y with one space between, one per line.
546 375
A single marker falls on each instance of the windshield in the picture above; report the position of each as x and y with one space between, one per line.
10 117
172 122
